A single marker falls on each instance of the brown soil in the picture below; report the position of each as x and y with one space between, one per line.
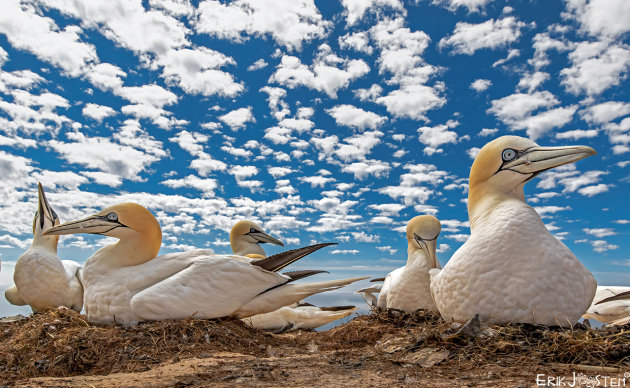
59 349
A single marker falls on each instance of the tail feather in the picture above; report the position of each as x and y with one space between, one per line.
297 275
286 294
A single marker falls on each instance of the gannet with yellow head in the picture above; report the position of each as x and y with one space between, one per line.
407 288
245 239
41 279
126 283
511 269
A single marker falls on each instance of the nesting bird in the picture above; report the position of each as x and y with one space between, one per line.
41 279
127 282
610 305
511 269
245 239
407 288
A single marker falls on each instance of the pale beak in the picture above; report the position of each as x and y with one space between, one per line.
538 159
431 248
45 211
95 224
262 237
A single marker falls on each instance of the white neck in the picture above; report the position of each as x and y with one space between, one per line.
241 247
482 200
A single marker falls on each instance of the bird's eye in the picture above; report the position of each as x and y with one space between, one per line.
508 154
54 214
112 216
252 230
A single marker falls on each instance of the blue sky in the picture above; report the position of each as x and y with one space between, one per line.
323 121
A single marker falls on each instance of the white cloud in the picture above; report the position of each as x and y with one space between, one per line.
122 158
369 94
471 5
358 41
356 9
488 132
516 111
468 38
243 172
279 172
605 112
238 119
596 66
603 246
25 29
480 84
364 237
97 112
577 134
328 74
600 232
605 18
316 181
412 101
289 22
196 71
205 185
259 64
364 169
548 211
351 116
531 81
434 137
344 252
410 190
590 191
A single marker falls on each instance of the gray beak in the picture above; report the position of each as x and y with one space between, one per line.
262 237
538 159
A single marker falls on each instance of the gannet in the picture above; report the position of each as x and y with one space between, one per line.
368 293
41 279
610 305
511 269
298 316
245 239
407 288
127 282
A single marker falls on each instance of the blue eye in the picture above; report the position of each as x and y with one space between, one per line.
112 216
508 154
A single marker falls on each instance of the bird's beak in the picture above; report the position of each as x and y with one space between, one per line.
45 211
262 237
94 224
431 248
538 159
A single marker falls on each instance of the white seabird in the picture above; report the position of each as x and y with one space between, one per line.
511 269
610 305
407 288
41 279
245 239
126 283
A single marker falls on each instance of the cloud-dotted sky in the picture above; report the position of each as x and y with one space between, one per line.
322 120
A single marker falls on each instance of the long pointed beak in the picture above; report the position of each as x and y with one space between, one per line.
262 237
94 224
431 247
538 159
45 211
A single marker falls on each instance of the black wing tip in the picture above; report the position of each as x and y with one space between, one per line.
337 308
377 280
621 295
296 275
278 261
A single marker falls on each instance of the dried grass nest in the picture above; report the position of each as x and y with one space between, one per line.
59 343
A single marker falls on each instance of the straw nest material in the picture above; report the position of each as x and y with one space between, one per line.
59 342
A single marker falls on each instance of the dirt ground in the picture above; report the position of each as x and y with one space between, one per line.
59 349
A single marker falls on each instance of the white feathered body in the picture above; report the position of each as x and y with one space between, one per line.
407 288
610 311
197 283
511 269
44 281
296 317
